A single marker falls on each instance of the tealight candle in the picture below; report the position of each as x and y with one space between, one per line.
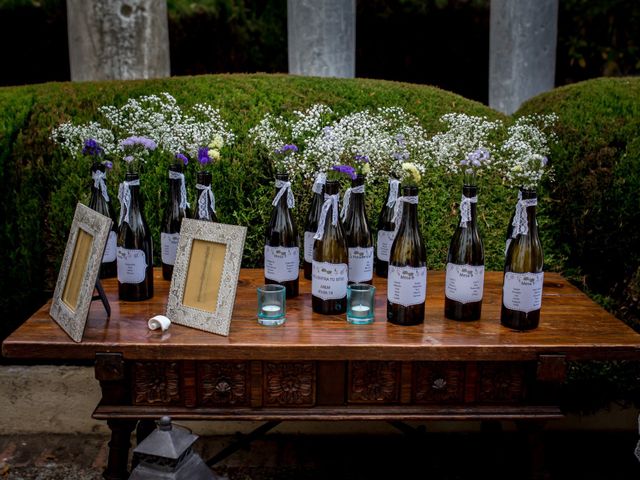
360 302
271 309
271 305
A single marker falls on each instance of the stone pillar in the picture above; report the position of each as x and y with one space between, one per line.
522 51
322 37
118 39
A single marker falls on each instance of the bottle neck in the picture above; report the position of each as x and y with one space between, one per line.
282 202
531 209
175 184
357 199
204 178
409 210
134 191
471 191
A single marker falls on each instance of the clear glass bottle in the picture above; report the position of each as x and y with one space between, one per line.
282 246
330 273
407 276
101 203
464 282
175 210
358 235
204 210
386 229
523 271
135 247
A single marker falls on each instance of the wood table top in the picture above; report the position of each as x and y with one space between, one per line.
570 324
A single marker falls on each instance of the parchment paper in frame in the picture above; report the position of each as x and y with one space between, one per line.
205 275
79 270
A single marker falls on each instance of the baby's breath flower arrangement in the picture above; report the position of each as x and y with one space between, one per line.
523 155
465 147
89 139
284 139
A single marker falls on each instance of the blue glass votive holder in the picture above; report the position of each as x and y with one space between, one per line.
360 303
271 305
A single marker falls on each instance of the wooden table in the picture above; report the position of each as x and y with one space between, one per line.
318 367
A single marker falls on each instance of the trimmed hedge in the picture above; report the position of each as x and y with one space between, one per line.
44 186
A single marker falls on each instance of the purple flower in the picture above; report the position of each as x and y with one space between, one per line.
400 139
203 155
401 156
142 141
128 158
476 158
545 160
182 158
287 148
347 170
361 158
92 148
108 164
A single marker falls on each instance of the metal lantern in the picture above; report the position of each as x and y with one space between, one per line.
167 453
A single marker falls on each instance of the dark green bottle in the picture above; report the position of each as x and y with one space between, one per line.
101 203
523 270
282 247
386 229
135 247
407 279
330 273
311 224
465 264
358 235
205 208
175 210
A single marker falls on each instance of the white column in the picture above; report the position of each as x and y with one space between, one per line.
322 37
118 39
522 51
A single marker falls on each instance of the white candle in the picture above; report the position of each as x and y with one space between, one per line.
360 310
271 309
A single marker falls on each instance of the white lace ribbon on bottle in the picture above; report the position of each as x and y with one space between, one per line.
400 201
183 188
319 183
346 200
205 198
99 183
284 187
329 201
124 195
394 186
465 209
520 219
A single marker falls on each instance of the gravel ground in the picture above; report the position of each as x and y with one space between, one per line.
289 457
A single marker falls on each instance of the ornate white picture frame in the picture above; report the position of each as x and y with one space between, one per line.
79 270
205 275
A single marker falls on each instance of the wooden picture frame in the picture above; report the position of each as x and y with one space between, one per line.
79 270
205 275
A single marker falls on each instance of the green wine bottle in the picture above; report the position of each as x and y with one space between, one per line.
386 229
175 210
357 233
311 224
465 264
101 203
330 258
281 249
523 269
407 280
206 207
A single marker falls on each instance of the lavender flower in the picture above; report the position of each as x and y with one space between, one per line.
361 158
92 148
142 141
346 169
128 158
183 158
287 148
203 155
108 164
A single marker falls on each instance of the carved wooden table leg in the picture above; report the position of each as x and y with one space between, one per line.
119 449
534 436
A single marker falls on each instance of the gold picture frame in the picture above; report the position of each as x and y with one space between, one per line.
79 270
205 275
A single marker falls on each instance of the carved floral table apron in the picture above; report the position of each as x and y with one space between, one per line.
320 367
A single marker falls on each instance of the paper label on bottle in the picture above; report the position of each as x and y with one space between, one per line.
385 240
169 247
132 265
360 264
464 283
407 285
281 264
110 248
329 280
308 246
522 292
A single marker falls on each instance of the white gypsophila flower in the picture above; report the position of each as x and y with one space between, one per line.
523 155
73 137
373 143
284 140
466 145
